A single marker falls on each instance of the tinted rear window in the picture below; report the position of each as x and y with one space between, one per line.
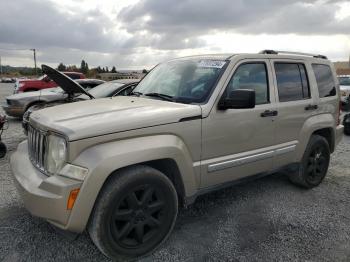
324 79
292 82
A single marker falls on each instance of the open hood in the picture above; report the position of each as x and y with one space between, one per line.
67 84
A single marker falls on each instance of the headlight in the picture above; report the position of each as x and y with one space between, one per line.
56 153
20 84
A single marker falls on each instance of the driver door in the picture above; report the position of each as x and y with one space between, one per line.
236 142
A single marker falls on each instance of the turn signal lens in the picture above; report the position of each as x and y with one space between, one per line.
72 197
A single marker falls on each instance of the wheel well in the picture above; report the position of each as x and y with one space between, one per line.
169 168
33 104
328 134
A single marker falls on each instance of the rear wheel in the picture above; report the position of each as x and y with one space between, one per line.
314 165
134 213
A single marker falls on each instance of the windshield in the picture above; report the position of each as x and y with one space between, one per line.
344 81
184 81
105 90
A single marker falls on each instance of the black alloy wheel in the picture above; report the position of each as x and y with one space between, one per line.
317 164
135 212
138 217
314 165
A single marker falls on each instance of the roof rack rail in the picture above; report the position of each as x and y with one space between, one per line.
275 52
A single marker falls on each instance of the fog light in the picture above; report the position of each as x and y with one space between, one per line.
72 197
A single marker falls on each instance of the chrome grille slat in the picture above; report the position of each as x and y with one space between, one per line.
41 150
36 147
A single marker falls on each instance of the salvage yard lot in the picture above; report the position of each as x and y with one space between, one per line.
265 220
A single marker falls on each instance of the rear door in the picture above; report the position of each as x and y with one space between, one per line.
296 103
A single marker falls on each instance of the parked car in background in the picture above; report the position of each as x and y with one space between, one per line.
344 81
120 167
43 82
16 105
8 80
72 93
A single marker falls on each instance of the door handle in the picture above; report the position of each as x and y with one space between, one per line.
267 113
311 107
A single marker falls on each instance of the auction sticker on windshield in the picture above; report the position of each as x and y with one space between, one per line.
211 63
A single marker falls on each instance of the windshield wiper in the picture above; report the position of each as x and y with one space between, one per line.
136 93
162 96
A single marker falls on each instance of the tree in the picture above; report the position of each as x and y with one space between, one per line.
144 71
84 67
113 70
107 71
61 67
72 68
99 69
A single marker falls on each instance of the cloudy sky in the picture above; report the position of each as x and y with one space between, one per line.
140 33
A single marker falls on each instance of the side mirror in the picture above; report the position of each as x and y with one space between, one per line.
238 99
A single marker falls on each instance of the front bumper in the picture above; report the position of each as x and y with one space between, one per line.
43 196
15 111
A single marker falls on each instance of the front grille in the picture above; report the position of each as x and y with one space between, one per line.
37 144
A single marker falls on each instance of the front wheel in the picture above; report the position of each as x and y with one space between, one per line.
314 165
134 213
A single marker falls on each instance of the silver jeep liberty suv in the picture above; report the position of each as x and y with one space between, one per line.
120 167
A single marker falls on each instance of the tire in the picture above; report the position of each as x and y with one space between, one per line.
314 165
123 226
3 149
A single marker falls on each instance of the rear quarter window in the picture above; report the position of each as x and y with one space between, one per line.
324 79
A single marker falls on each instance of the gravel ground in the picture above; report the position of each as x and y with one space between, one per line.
264 220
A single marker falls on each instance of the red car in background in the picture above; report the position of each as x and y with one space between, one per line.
43 82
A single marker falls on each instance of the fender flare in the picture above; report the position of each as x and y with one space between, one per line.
310 126
104 159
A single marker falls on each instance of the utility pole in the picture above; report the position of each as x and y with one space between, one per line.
34 52
0 66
